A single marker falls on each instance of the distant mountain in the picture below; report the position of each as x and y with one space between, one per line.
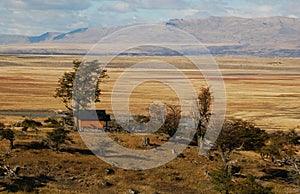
266 37
259 31
44 37
13 39
65 35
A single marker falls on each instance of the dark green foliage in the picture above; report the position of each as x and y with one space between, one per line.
57 137
281 145
204 105
65 89
293 138
31 123
80 87
114 126
53 122
9 135
141 118
88 80
239 134
295 174
2 126
251 186
172 120
252 137
67 122
2 171
282 149
221 178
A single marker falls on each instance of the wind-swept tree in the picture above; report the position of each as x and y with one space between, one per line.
239 134
80 87
201 114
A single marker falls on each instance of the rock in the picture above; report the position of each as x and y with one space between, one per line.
132 191
105 183
57 167
109 171
72 178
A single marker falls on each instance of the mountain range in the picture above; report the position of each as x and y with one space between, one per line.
262 37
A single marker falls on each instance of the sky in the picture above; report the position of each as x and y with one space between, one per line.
34 17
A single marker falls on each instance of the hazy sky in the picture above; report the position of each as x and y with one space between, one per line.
33 17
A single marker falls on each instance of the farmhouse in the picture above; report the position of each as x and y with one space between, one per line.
93 119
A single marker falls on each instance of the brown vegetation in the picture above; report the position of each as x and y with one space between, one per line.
257 89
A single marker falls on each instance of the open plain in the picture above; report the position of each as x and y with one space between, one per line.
266 91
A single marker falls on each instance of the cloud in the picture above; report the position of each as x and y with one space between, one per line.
133 5
165 4
35 22
264 2
48 4
184 13
35 16
269 8
291 7
121 7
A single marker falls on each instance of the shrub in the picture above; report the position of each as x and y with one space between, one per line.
239 134
171 123
9 135
53 122
281 145
250 185
31 123
2 126
57 137
221 178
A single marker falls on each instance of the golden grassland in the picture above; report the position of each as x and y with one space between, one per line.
266 91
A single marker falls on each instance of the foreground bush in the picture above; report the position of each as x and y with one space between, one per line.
250 185
9 135
30 123
57 137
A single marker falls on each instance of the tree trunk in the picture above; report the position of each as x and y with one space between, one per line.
11 144
76 115
223 156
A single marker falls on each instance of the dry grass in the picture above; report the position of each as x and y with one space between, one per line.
76 170
263 90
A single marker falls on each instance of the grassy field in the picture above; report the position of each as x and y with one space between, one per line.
75 169
265 91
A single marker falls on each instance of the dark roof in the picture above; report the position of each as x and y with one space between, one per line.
93 115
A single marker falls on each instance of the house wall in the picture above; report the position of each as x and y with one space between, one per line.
92 124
